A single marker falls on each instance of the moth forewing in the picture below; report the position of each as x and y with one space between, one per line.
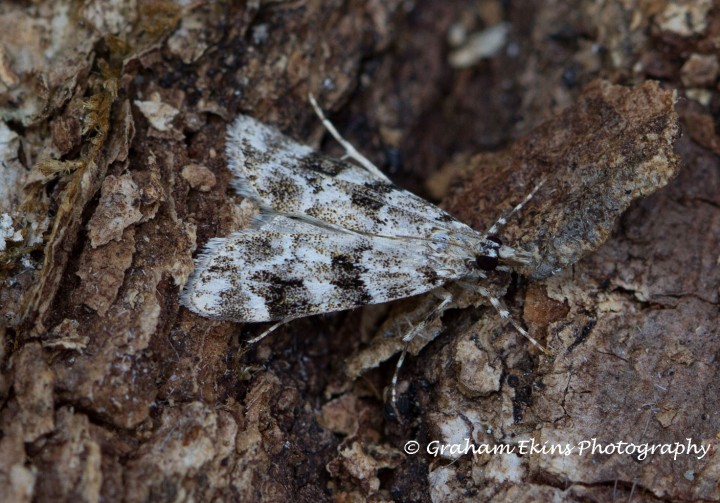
288 268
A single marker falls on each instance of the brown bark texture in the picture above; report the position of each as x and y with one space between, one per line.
113 177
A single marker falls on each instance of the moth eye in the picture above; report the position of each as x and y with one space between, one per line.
486 263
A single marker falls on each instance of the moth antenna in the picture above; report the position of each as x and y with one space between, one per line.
350 151
504 219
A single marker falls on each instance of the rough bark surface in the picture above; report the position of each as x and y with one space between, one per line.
113 175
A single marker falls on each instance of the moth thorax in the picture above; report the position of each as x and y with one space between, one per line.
488 260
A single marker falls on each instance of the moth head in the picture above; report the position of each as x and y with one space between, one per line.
488 257
493 253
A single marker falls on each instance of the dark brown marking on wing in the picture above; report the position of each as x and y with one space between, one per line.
283 296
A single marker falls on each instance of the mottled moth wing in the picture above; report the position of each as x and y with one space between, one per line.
286 268
293 179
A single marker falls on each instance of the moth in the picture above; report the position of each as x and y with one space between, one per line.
332 235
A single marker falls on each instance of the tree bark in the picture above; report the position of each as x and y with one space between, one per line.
113 177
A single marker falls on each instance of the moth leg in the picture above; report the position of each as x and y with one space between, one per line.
503 219
350 151
446 298
267 332
503 312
